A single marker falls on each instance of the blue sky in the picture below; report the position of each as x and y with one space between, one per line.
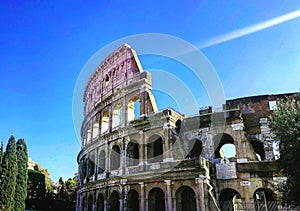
45 45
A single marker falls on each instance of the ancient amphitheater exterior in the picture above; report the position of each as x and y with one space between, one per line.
135 157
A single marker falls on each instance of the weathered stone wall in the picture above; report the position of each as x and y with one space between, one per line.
165 160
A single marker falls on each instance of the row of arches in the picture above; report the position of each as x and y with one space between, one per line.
100 161
107 160
156 200
133 153
104 80
107 120
230 199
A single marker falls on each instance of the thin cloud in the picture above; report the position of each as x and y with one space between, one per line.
249 30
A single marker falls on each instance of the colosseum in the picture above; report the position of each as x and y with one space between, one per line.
135 157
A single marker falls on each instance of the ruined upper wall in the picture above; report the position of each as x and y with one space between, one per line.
255 107
121 66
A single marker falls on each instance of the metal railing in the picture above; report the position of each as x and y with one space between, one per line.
257 206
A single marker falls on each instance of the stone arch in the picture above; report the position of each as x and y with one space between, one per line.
226 198
219 141
115 157
86 163
258 147
117 115
263 199
132 153
113 201
104 121
156 199
185 199
178 126
89 134
84 139
101 162
106 80
95 127
91 165
133 108
90 203
133 200
155 149
83 168
195 148
100 202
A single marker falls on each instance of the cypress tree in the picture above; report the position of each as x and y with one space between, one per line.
9 174
22 176
1 156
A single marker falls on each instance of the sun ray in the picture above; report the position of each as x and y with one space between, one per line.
249 30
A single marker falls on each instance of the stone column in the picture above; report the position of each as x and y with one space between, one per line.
166 152
107 160
96 163
124 112
105 204
142 149
200 182
95 201
99 124
110 115
92 129
123 157
142 199
121 201
79 203
122 196
169 194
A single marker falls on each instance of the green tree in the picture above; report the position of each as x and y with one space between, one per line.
22 176
9 175
67 190
71 185
285 124
49 184
1 157
36 186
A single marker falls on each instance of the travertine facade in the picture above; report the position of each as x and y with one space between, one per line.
136 158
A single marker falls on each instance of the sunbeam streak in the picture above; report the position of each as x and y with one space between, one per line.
249 30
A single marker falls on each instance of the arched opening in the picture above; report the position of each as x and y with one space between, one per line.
106 80
264 200
185 199
133 108
117 116
101 162
227 197
133 201
114 203
95 127
115 157
84 140
132 153
104 122
178 126
258 147
91 168
155 149
89 135
100 203
224 146
195 147
90 203
84 168
156 200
